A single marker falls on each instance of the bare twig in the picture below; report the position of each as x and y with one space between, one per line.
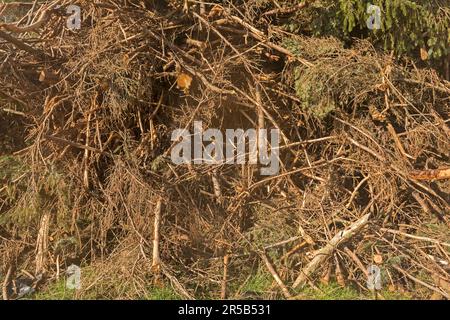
324 253
275 275
156 259
6 282
223 291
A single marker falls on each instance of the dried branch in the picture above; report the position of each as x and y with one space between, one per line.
321 255
156 259
428 175
275 275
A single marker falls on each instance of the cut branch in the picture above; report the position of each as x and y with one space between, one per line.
321 255
275 275
156 259
426 175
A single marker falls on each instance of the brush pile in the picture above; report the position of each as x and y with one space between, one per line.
86 122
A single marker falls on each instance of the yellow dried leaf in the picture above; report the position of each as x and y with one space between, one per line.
375 114
215 11
378 258
184 82
42 76
423 54
48 77
126 59
272 57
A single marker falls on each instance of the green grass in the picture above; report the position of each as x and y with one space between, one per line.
334 291
164 293
59 291
260 283
257 285
55 291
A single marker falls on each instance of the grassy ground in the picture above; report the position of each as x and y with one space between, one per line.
333 291
58 291
259 286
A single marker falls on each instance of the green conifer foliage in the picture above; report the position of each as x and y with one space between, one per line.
406 25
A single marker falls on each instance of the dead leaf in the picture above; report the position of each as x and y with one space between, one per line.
216 11
48 77
42 76
126 59
184 82
375 114
378 258
423 54
272 57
